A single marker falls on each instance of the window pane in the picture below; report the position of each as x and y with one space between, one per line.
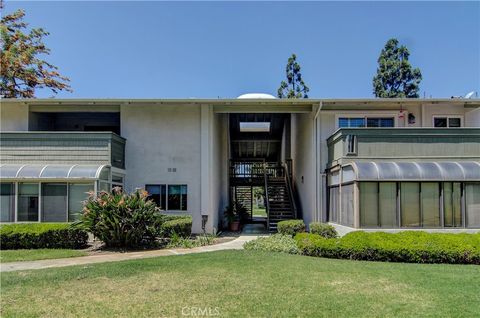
431 204
27 202
369 204
333 204
54 202
7 202
472 193
174 197
346 216
454 122
103 186
184 197
157 193
77 193
357 122
373 122
452 204
410 204
387 122
388 204
440 122
343 122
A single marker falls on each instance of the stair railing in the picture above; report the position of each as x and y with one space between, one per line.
290 189
267 201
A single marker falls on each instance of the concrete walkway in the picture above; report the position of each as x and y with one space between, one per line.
236 244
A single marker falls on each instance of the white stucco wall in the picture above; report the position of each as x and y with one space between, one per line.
13 117
160 137
472 118
219 171
303 163
432 110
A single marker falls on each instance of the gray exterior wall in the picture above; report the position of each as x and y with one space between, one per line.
62 148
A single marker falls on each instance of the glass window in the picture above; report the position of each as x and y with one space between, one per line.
387 204
440 122
77 193
430 195
7 202
454 122
54 202
177 197
447 121
380 122
157 193
333 204
345 122
452 204
27 202
105 174
410 204
103 186
472 204
346 215
369 204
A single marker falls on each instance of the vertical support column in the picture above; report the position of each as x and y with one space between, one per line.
205 173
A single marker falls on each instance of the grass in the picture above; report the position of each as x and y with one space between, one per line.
244 283
37 254
259 211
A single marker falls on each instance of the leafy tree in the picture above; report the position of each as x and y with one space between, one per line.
395 76
22 69
294 87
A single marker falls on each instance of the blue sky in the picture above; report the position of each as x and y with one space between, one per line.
122 49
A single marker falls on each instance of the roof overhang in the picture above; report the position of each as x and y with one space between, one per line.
412 171
40 172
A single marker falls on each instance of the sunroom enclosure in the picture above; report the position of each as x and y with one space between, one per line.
394 195
49 193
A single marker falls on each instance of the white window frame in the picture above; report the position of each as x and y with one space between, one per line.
393 115
448 120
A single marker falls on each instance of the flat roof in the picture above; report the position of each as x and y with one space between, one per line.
327 104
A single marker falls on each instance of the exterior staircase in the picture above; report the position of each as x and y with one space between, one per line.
280 202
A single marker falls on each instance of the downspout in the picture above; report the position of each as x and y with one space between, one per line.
317 216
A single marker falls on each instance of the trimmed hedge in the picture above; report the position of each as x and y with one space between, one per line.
290 227
41 235
181 226
275 243
322 229
408 246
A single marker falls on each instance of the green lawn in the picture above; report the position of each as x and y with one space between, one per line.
259 211
37 254
244 283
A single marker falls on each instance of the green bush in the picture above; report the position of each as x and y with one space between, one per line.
42 235
291 227
121 220
181 227
274 243
408 246
322 229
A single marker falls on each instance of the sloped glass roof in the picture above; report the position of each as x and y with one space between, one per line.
416 170
51 171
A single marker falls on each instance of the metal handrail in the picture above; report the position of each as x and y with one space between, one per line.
290 189
267 203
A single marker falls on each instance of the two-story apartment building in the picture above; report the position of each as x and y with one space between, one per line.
366 163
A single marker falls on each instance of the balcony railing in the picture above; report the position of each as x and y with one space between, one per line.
404 143
62 148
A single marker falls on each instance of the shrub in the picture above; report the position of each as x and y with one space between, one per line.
408 246
322 229
181 227
274 243
201 240
42 235
291 227
121 220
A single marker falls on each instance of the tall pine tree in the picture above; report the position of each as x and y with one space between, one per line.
294 86
395 76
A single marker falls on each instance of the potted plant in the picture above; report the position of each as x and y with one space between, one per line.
235 213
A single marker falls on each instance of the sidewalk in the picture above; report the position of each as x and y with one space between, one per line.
236 244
